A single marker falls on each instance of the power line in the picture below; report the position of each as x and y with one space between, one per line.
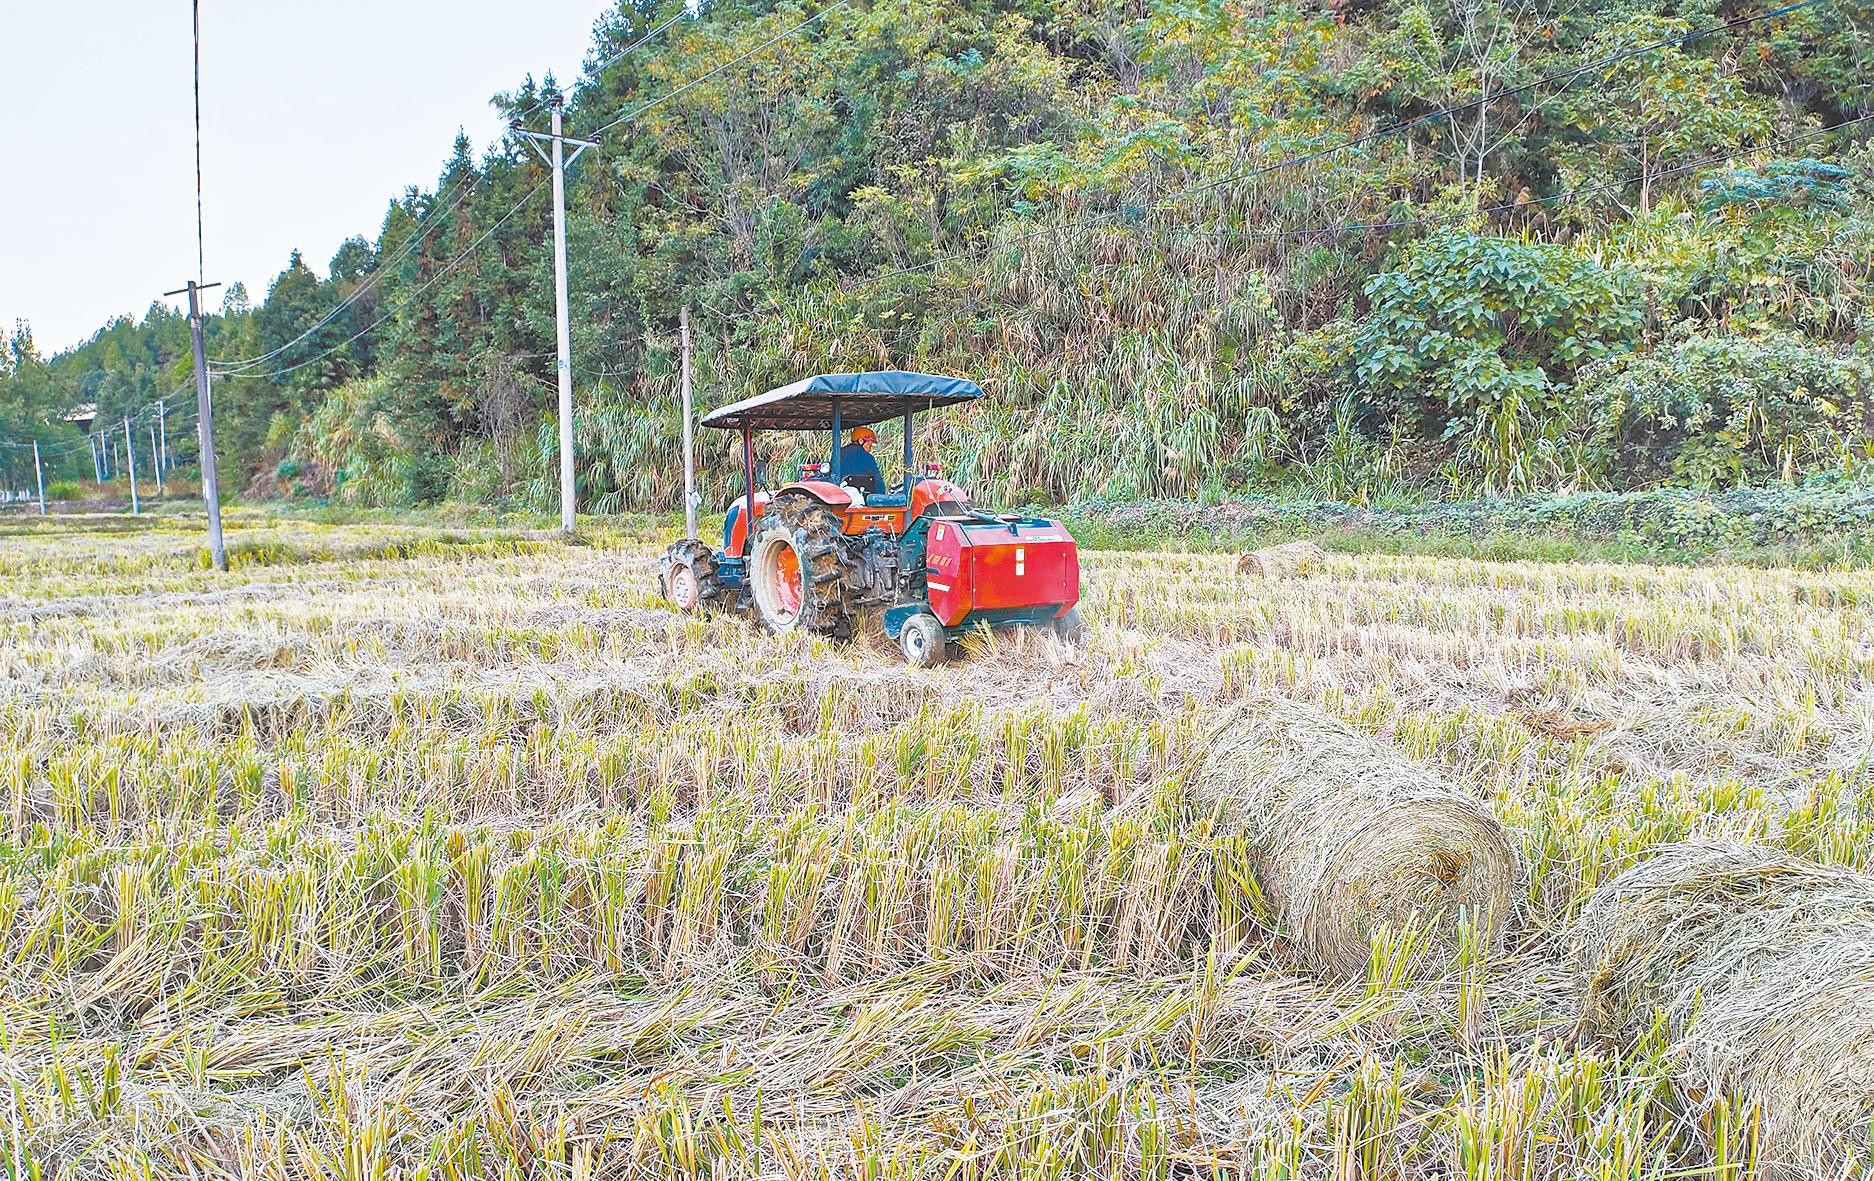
613 60
243 368
609 62
201 269
405 302
48 449
429 222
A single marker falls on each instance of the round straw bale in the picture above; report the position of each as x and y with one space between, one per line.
1290 557
1763 966
1348 836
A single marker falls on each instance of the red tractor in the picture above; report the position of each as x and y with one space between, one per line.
812 555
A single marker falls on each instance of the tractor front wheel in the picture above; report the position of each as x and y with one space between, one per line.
689 577
922 640
794 569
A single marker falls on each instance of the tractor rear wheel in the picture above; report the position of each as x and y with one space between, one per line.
795 569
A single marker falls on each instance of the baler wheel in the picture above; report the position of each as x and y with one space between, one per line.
794 569
922 640
1069 626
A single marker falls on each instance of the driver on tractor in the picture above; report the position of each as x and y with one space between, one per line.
856 465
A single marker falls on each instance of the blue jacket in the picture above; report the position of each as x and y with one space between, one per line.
855 460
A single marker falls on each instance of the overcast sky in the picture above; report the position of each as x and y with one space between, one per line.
313 117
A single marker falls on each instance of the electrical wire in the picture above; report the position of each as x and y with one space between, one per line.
48 450
613 60
430 221
433 279
623 53
201 267
243 368
144 415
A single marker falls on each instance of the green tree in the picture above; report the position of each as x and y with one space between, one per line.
1666 107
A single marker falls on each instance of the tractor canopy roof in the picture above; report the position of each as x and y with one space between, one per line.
807 404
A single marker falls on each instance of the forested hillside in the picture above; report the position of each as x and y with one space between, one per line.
1450 246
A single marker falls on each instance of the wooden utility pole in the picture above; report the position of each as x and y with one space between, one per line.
689 434
205 424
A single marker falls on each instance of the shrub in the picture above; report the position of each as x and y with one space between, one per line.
1495 330
1713 410
426 477
348 448
64 490
475 474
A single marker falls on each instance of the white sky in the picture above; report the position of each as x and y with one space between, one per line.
314 116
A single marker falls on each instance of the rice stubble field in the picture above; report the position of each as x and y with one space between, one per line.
405 850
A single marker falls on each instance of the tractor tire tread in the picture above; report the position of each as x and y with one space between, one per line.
824 609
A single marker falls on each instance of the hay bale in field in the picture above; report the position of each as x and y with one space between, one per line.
1763 965
1349 836
1290 557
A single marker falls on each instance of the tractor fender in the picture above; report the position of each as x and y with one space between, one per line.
735 529
837 497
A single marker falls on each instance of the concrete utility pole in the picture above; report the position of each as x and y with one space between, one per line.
156 460
97 464
205 424
130 456
39 476
558 162
689 439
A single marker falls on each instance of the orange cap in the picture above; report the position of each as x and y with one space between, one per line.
864 434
